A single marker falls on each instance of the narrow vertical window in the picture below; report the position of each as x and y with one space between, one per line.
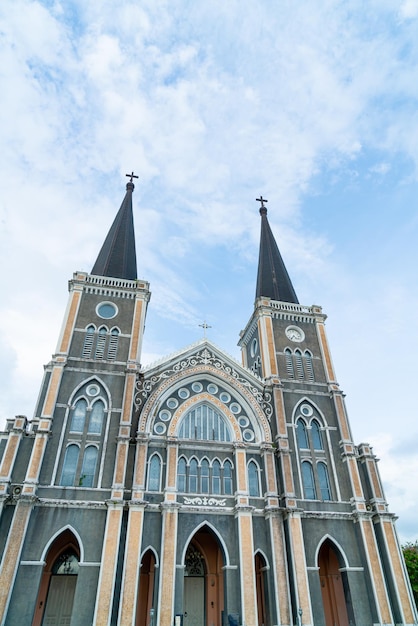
299 364
308 481
154 473
193 476
69 467
113 344
181 474
89 467
253 479
78 416
324 481
228 478
101 342
216 477
88 342
204 476
316 436
301 434
289 363
309 365
96 418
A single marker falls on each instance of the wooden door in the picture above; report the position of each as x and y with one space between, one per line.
59 604
194 601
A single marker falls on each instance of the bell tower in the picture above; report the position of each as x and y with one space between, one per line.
323 477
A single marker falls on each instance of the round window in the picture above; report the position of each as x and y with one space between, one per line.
164 415
92 390
160 428
106 310
254 346
306 410
183 393
172 403
248 435
243 421
197 387
225 397
235 408
212 388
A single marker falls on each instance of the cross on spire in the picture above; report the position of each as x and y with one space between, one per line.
205 326
131 176
262 200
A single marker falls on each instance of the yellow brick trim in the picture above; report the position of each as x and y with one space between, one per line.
11 554
288 474
247 570
140 465
36 458
132 567
69 325
342 417
9 455
51 394
270 472
121 457
399 575
128 399
376 572
280 569
168 563
299 561
108 569
374 478
241 470
136 330
271 346
171 467
355 478
280 413
327 355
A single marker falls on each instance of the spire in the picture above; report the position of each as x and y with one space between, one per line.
272 280
117 258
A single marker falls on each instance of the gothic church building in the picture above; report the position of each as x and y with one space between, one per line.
197 491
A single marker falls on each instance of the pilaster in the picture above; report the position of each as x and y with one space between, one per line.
298 564
168 564
132 564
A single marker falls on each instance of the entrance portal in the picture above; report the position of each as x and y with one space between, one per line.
203 601
333 597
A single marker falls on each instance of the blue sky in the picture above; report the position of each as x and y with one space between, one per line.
311 104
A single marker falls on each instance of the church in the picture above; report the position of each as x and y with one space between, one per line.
199 490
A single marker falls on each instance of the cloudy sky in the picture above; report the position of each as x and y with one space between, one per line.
313 104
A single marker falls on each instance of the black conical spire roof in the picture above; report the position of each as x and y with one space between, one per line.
272 280
117 258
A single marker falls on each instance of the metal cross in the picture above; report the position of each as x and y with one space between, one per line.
205 327
262 200
131 176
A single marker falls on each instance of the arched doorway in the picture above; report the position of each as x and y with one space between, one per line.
261 590
203 601
145 605
57 589
332 588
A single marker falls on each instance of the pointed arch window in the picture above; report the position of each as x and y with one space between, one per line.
96 418
88 341
309 365
324 481
154 473
88 468
308 481
254 479
204 476
299 364
228 478
181 474
204 423
301 434
316 436
69 467
78 416
216 477
193 476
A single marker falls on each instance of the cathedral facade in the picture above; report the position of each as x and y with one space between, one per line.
198 491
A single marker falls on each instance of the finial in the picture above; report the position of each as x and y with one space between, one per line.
205 327
130 184
263 209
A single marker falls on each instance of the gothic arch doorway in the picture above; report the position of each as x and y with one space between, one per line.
334 597
59 578
261 590
203 600
145 606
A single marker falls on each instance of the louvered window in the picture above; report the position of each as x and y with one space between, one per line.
101 343
113 344
309 365
289 363
88 342
299 365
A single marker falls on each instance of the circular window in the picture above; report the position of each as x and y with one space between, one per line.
172 403
213 389
197 387
160 428
243 421
164 415
254 347
235 408
306 410
107 310
225 397
183 393
248 435
92 390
